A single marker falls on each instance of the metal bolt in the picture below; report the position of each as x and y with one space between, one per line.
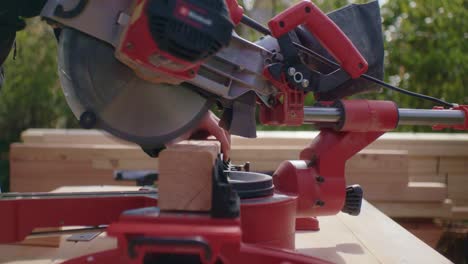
129 45
305 83
291 71
320 179
313 161
319 203
272 101
298 77
247 166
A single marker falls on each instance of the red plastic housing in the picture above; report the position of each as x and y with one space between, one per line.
288 108
235 10
463 108
368 115
140 52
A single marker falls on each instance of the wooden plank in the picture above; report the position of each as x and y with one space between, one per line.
63 136
123 164
424 169
370 237
416 209
399 247
460 212
389 161
428 178
44 176
420 144
454 165
68 152
378 166
457 186
407 192
186 175
51 241
425 229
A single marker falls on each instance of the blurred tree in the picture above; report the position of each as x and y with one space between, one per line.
31 95
426 49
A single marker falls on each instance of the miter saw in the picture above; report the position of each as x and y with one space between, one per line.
149 70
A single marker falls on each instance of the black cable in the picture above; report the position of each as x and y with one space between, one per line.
375 80
403 91
262 29
255 25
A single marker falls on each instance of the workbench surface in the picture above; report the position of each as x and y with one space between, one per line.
370 237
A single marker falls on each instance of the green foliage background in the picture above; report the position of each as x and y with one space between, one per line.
426 52
31 96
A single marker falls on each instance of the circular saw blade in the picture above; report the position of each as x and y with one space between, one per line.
148 114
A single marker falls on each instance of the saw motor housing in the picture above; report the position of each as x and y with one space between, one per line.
166 41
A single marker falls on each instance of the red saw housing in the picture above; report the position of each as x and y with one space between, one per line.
166 41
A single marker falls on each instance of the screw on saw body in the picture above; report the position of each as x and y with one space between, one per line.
229 166
320 203
320 179
129 46
313 161
272 101
298 77
305 83
291 71
88 120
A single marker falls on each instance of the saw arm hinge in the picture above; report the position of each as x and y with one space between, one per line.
292 77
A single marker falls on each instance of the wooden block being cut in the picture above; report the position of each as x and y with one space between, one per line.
185 175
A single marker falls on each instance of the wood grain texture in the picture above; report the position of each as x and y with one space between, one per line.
186 175
44 176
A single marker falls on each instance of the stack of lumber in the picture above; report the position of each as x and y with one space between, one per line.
403 174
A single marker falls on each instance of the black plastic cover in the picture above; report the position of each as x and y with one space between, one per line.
225 202
363 26
191 30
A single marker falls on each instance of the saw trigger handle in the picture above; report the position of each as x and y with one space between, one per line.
325 30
